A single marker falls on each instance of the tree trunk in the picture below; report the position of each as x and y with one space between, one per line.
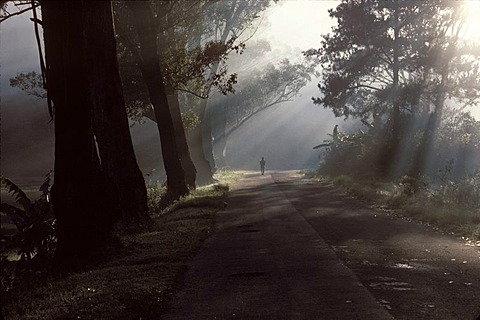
219 121
181 138
207 160
201 135
394 144
153 77
85 200
204 170
207 134
110 117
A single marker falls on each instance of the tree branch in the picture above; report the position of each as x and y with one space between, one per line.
192 93
241 122
363 86
18 13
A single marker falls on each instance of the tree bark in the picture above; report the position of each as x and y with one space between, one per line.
207 134
110 117
181 139
201 135
153 77
394 144
85 200
196 139
172 98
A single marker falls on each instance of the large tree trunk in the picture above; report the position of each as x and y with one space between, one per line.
181 139
206 160
201 135
110 117
84 200
207 134
196 140
393 147
153 77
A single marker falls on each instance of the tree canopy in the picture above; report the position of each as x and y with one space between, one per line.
387 52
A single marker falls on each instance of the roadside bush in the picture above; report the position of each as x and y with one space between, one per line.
26 254
411 186
460 193
155 196
35 237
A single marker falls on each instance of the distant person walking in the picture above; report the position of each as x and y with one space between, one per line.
262 165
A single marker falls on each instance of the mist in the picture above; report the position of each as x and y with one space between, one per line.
27 137
284 134
288 144
27 134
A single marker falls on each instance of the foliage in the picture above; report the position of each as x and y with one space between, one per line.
184 57
452 206
156 192
35 237
362 153
343 140
31 83
355 154
384 53
456 140
160 203
463 192
459 129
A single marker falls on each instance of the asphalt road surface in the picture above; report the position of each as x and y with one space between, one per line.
290 248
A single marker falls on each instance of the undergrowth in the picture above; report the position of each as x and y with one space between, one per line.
135 277
453 206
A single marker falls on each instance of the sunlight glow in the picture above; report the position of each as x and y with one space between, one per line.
299 24
472 16
472 33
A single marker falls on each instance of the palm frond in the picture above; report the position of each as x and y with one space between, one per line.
20 196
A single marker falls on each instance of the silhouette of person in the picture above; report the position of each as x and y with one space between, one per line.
262 165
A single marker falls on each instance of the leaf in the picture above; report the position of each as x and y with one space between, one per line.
45 187
20 196
17 215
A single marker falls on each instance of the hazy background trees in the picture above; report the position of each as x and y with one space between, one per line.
398 66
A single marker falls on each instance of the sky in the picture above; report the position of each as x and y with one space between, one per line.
298 24
473 20
26 136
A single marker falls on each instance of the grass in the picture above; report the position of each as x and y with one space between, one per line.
440 209
135 278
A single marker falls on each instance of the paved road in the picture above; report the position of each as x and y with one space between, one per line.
286 248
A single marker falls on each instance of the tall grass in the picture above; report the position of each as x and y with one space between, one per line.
453 205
